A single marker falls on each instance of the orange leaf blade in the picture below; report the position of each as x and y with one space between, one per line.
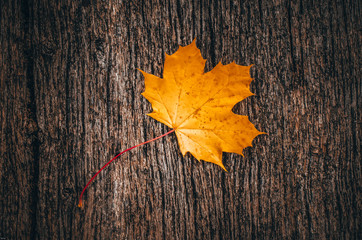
198 105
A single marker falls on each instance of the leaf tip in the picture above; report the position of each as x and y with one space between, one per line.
194 41
223 167
138 69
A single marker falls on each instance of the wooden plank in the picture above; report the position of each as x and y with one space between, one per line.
18 126
302 180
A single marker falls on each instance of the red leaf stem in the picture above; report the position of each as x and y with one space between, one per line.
81 195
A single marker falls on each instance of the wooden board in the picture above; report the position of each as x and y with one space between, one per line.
71 100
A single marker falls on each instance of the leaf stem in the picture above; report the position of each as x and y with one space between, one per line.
81 195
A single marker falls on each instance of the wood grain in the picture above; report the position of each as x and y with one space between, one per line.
71 100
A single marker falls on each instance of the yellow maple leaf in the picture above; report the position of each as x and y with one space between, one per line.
197 105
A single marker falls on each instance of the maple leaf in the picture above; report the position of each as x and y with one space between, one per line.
197 105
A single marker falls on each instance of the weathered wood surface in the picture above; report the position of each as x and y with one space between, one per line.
70 100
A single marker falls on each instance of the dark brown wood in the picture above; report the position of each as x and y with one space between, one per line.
18 126
71 100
